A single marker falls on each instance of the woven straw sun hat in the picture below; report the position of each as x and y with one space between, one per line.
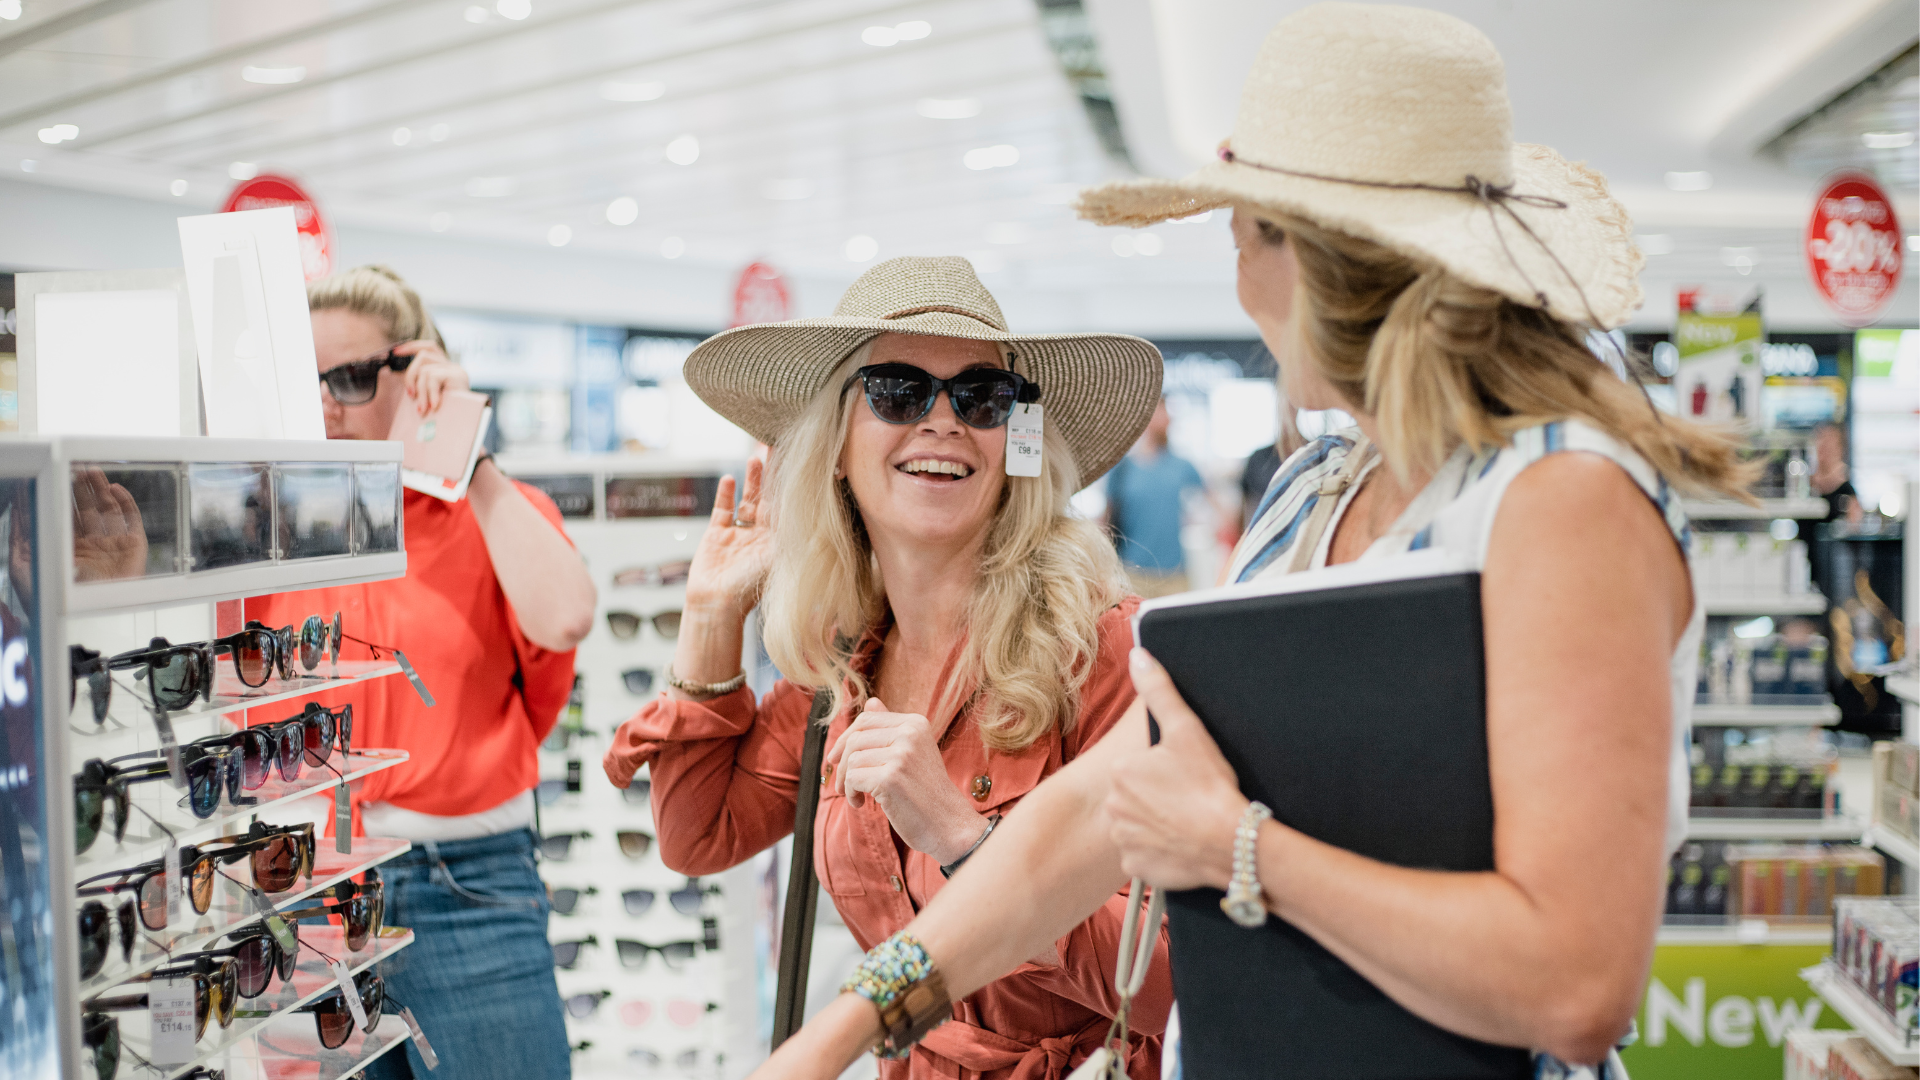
1392 124
1097 390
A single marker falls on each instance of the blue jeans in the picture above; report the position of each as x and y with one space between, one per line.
479 974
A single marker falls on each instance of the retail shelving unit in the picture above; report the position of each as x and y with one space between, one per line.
1857 1009
117 541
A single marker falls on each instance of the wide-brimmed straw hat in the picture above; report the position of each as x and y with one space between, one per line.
1392 124
1097 390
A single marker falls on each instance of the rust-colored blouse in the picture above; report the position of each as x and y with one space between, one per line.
725 774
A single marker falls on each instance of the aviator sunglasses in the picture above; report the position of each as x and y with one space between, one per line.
356 383
981 397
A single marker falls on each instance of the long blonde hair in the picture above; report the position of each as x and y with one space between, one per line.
1032 630
1439 362
380 294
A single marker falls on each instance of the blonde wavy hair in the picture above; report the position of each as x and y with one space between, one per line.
380 294
1439 362
1032 632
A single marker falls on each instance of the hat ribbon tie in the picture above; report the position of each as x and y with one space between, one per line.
1495 197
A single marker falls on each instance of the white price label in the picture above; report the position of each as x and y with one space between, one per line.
176 885
342 820
350 992
170 1004
420 1042
1024 431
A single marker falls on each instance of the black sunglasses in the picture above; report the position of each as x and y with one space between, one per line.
334 1017
96 934
208 769
559 846
638 792
981 397
362 909
216 991
566 954
633 953
85 663
567 901
357 382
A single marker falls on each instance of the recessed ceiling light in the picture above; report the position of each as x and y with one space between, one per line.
1689 181
440 222
28 164
948 108
477 14
402 136
623 211
860 248
1146 243
10 9
243 170
912 31
787 190
559 235
178 188
273 74
514 9
490 187
1123 246
1655 244
1886 140
672 247
58 133
1007 232
992 157
614 90
684 150
880 36
438 133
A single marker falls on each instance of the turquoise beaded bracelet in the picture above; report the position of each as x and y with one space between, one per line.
887 972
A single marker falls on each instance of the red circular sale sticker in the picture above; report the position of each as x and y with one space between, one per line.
1854 247
265 192
761 296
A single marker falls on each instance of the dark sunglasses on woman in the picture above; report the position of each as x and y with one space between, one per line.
333 1017
97 922
981 397
356 382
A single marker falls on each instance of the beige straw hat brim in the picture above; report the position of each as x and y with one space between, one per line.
1097 390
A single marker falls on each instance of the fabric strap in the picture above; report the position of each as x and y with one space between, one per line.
803 889
1331 489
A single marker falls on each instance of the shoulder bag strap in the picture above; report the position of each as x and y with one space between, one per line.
1332 487
803 889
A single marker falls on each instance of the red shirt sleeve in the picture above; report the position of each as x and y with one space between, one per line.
546 677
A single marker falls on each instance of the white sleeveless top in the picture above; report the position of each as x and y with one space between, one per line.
1456 511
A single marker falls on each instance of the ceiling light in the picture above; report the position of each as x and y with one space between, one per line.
58 133
274 75
1123 246
1146 244
440 222
632 91
28 164
1655 244
881 36
402 136
623 211
178 188
684 150
559 235
1886 140
1192 219
948 108
514 9
438 133
9 9
992 157
787 190
490 187
477 14
672 247
861 248
912 31
1006 232
1689 181
243 170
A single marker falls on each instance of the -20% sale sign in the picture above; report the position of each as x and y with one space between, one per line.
1854 247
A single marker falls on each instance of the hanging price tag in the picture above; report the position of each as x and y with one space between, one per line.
413 676
350 992
176 885
170 1003
1024 430
342 821
420 1042
275 923
169 747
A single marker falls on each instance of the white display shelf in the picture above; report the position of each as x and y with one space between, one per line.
292 1051
129 720
1718 510
1750 932
145 841
1904 687
311 981
232 910
1765 715
1779 604
1892 843
1857 1009
1834 828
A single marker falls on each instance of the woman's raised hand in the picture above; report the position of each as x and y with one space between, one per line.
730 566
895 759
431 374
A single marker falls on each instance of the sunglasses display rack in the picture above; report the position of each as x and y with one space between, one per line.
666 973
120 656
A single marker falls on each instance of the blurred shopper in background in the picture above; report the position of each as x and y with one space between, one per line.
1264 462
492 604
1146 508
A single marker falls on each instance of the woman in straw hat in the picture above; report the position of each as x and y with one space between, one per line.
914 555
1407 262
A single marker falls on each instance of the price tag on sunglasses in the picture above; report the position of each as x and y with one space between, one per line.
169 746
276 925
170 1004
1024 431
176 884
413 676
342 820
349 991
420 1042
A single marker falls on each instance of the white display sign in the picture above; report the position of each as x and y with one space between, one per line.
108 363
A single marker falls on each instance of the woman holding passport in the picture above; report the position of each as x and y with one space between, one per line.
1409 263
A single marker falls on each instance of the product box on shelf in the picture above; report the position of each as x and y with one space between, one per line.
1876 945
1798 883
1856 1059
1896 804
1806 1052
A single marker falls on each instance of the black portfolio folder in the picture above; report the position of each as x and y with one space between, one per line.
1355 708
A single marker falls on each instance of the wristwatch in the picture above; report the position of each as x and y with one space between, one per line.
1244 903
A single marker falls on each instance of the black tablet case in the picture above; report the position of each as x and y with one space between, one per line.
1358 714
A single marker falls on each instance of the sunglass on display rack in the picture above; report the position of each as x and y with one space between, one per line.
99 782
566 954
333 1017
638 792
686 900
675 954
559 846
634 844
567 901
680 1012
277 854
178 674
257 957
96 923
362 909
668 573
581 1006
563 735
356 382
650 1059
100 1034
638 681
625 625
316 639
216 991
981 397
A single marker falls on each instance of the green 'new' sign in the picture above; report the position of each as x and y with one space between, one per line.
1714 1011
